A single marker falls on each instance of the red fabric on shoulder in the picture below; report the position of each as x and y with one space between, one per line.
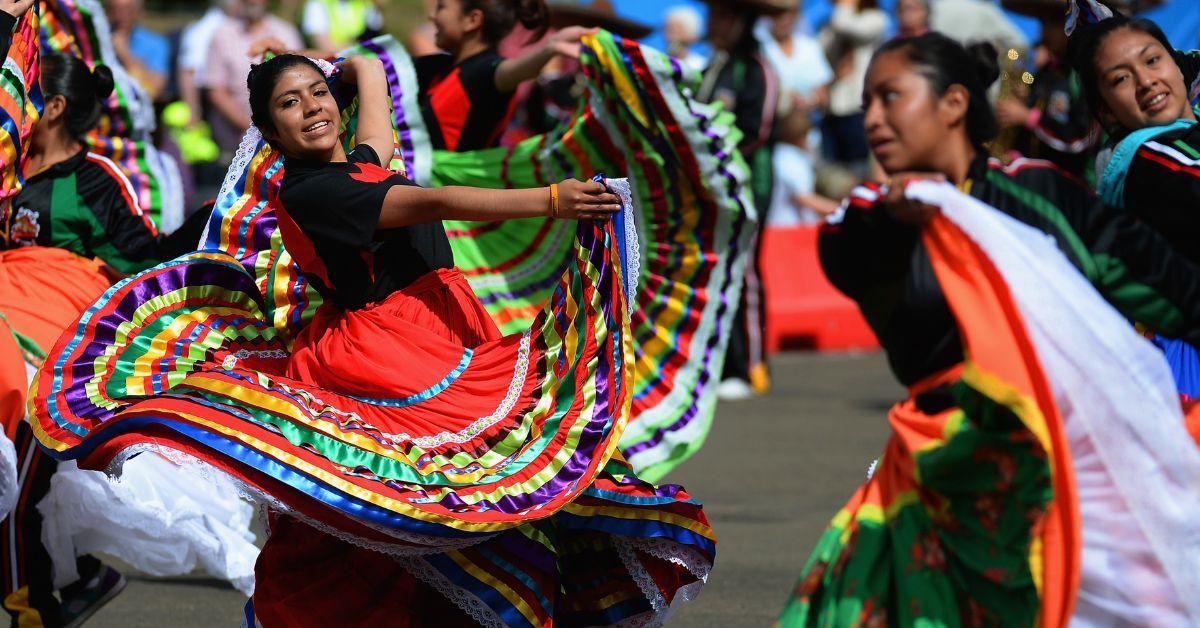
451 105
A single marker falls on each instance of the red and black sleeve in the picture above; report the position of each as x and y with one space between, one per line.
340 204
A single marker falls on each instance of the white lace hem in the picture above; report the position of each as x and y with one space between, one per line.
161 518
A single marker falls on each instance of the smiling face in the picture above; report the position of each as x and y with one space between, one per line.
304 115
909 126
453 24
1139 83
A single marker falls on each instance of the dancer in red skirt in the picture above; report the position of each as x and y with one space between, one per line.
373 244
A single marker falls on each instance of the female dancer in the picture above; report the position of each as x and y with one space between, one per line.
1139 88
963 502
1141 91
467 95
363 433
74 199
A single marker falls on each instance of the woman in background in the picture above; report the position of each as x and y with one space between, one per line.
467 94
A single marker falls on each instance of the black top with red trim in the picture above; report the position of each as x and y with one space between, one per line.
85 205
1162 187
461 104
329 221
884 266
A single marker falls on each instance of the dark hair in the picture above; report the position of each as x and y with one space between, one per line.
500 17
261 83
1084 47
945 62
83 88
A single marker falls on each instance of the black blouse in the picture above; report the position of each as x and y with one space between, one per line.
461 104
884 266
329 221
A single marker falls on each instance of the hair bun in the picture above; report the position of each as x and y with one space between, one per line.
103 77
534 15
986 60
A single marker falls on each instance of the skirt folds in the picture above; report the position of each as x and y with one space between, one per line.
411 429
942 530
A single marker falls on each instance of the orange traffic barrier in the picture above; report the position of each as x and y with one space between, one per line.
805 311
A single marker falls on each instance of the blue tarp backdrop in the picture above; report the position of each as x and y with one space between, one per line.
1180 19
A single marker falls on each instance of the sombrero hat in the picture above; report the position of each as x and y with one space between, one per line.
765 7
600 13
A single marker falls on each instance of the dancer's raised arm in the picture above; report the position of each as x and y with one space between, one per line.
374 103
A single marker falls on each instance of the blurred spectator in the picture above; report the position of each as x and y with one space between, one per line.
336 24
682 31
971 21
912 18
744 81
795 201
143 52
804 73
1053 121
422 41
559 88
193 53
855 29
229 62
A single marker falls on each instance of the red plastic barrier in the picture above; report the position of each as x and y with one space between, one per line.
804 311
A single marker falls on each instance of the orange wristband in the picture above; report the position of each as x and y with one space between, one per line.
554 200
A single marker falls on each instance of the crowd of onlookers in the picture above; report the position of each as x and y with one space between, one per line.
821 146
821 149
197 74
818 126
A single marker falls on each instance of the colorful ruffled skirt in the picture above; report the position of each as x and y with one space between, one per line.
1047 480
693 217
161 518
454 459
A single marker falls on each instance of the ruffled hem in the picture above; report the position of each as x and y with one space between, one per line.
182 357
694 216
159 517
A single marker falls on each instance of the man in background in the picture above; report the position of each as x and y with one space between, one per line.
682 29
193 53
336 24
144 53
740 77
229 62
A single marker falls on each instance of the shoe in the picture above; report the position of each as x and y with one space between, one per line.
735 389
81 600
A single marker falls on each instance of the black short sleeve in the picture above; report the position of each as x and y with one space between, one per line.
339 204
7 24
431 67
480 77
329 222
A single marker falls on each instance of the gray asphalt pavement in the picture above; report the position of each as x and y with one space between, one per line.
773 472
